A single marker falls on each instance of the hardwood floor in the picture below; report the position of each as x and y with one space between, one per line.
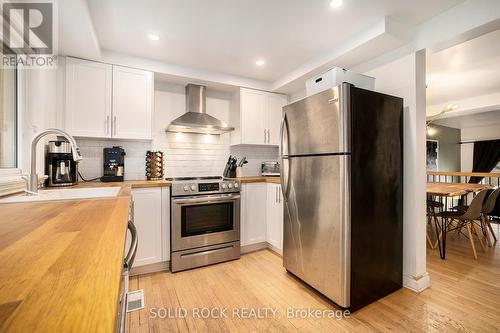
464 297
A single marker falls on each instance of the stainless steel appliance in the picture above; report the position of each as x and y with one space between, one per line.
60 166
270 168
33 176
114 164
341 179
196 119
128 261
205 221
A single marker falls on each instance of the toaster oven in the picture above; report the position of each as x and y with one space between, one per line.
270 168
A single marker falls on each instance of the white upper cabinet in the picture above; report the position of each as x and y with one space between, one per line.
275 104
256 116
274 209
132 103
107 101
88 98
253 116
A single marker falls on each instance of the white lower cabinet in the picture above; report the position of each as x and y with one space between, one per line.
253 213
274 210
152 220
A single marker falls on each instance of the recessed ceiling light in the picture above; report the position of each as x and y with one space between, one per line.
260 62
335 3
154 37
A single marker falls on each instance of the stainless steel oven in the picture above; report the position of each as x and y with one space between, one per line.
205 222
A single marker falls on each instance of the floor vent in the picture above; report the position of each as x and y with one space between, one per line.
135 300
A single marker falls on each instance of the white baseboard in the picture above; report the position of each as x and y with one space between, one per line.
418 283
253 247
275 249
151 268
260 246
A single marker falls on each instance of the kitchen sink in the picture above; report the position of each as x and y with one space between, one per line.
65 194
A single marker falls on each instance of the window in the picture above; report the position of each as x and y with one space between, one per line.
8 118
497 168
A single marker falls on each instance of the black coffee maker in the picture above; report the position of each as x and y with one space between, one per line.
60 167
114 164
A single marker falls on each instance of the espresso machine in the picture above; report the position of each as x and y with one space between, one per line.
60 166
114 164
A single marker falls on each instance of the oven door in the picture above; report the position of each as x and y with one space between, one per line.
205 220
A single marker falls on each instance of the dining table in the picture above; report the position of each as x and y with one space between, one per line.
445 192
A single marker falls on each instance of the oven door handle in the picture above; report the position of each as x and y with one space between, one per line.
206 199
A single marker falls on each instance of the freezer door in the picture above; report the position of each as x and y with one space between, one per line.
316 244
319 124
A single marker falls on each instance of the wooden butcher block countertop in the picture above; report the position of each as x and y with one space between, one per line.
259 179
61 262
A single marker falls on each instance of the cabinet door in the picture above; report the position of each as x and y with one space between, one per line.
274 216
253 228
148 221
253 117
132 103
165 223
88 98
275 104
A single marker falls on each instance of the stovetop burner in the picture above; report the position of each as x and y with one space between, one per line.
180 179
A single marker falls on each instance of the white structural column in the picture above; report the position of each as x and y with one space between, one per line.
405 77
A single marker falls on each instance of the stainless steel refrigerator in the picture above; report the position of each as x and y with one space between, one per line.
342 169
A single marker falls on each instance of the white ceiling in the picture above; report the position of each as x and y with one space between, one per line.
228 36
464 71
471 120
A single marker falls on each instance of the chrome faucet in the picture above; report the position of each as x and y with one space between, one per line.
33 179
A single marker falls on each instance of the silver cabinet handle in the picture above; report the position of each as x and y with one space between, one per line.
114 124
265 135
268 135
276 195
107 125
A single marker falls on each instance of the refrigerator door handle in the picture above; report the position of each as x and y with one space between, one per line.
284 160
283 130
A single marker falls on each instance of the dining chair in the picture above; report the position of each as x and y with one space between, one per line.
488 207
432 206
468 218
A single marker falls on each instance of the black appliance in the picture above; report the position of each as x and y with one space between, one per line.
342 183
60 166
114 164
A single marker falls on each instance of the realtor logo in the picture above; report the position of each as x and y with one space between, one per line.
28 32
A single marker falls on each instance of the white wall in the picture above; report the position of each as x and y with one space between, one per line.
475 134
405 77
190 154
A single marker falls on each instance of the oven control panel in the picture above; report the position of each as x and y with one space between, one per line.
208 187
205 187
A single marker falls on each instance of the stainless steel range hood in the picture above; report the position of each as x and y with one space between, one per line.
196 119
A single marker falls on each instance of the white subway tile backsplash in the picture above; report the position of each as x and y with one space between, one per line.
255 156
